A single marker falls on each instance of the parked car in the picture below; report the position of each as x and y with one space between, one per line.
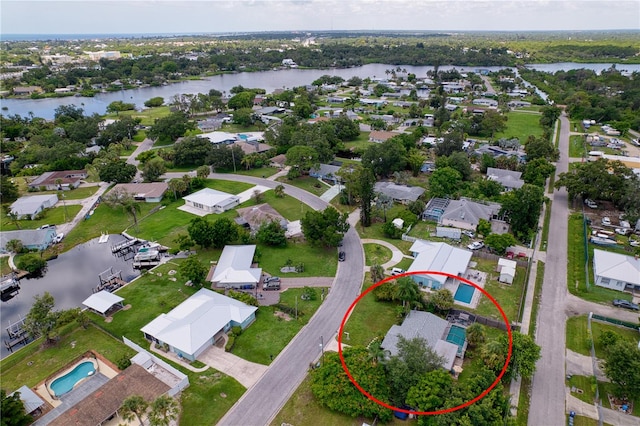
590 203
476 245
271 280
342 256
58 238
606 221
469 234
45 226
636 142
396 271
273 285
623 231
625 304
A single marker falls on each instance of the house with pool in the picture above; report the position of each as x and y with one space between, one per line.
442 257
199 322
446 339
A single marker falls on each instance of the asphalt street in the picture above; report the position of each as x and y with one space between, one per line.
260 404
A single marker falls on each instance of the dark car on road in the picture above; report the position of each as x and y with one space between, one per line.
625 304
342 256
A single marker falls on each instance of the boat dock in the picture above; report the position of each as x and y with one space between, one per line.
17 335
146 263
110 281
124 245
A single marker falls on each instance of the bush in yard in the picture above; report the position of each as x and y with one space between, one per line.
31 263
390 231
309 293
123 362
230 342
236 330
271 234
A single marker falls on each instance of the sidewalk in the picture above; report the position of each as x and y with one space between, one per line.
396 254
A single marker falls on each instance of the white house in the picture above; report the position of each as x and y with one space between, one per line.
616 271
219 138
198 322
507 270
29 207
209 200
441 257
234 268
466 214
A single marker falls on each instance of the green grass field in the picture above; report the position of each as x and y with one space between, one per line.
578 338
307 183
270 333
317 261
360 144
147 117
521 125
376 254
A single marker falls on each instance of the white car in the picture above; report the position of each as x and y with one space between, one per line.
469 234
606 221
477 245
590 203
58 238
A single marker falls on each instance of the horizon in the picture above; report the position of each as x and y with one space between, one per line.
256 16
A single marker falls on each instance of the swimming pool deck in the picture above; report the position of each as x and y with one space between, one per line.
476 277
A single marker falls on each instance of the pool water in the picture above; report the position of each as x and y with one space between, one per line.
464 293
457 336
65 384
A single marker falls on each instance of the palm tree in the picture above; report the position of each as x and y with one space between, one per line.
14 218
408 290
134 407
475 334
279 191
493 354
163 410
376 353
178 186
377 273
124 200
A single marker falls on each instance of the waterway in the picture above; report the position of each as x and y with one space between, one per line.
69 278
268 80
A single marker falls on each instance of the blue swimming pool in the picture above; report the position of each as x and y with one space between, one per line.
457 335
65 383
464 293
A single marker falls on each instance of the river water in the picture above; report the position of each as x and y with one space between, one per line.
69 279
268 80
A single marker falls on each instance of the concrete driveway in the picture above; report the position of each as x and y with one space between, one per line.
245 372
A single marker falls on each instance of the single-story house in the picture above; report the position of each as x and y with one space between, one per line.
445 232
151 192
278 161
257 215
431 328
198 322
26 90
219 138
485 102
31 401
211 201
62 180
269 111
466 213
28 207
518 104
507 178
325 172
253 146
234 268
616 271
403 194
507 270
32 239
432 256
103 302
380 136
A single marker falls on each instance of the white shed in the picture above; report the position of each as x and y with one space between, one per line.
398 223
507 270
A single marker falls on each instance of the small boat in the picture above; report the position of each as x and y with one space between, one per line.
603 241
103 238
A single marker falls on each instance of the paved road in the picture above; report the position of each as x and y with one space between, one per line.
548 390
260 404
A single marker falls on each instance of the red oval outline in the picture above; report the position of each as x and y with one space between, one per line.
424 413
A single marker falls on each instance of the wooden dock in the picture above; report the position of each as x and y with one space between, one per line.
126 244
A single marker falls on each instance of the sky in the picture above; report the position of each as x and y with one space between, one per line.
212 16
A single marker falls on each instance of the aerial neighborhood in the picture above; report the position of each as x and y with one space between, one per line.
376 243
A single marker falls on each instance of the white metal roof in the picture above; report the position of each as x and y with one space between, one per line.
30 399
102 301
616 266
195 321
30 204
210 197
234 266
440 257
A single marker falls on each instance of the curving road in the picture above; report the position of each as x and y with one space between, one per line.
260 403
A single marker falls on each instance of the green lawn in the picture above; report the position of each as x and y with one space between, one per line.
524 402
545 227
608 388
263 172
290 208
30 365
521 125
576 267
140 136
404 263
269 334
376 254
307 183
577 146
72 194
360 144
587 385
578 339
317 261
228 186
536 298
53 216
508 296
147 117
369 319
4 265
302 409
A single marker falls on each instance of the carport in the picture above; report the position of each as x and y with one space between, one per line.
104 303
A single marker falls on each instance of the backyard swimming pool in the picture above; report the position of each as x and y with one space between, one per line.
457 336
464 293
64 384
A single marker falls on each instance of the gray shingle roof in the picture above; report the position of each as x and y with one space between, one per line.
399 192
